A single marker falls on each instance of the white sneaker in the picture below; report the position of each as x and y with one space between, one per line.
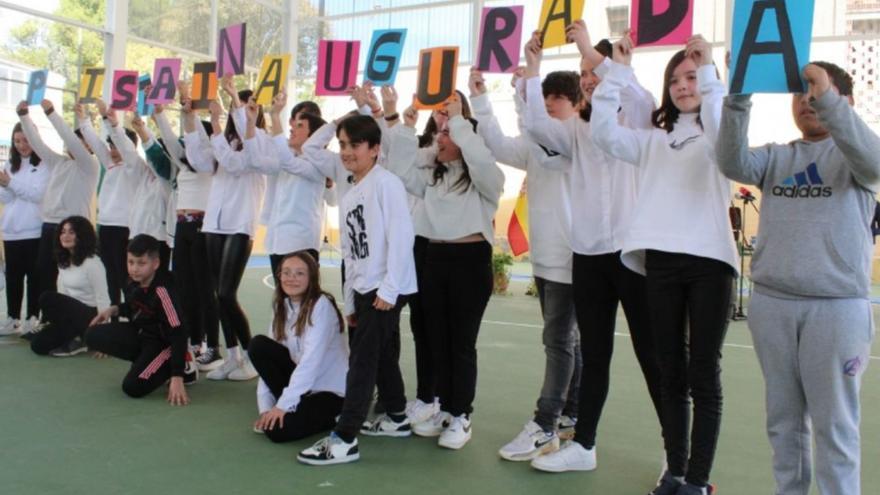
433 426
419 411
330 450
31 325
9 327
565 427
244 372
384 426
456 434
531 442
209 360
571 457
222 373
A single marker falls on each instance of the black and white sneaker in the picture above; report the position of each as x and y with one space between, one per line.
209 360
668 485
330 450
385 426
72 348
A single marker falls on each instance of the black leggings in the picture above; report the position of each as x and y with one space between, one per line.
150 358
227 257
424 359
68 318
688 298
21 263
190 265
112 245
48 272
457 286
601 282
316 412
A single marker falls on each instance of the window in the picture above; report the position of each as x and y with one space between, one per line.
618 20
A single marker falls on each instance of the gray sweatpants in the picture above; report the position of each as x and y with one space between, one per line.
813 353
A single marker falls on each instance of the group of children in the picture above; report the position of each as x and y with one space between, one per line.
628 203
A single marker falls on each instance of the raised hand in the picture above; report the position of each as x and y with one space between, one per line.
476 83
818 81
699 50
453 106
622 50
410 116
22 108
518 74
48 107
279 102
533 54
389 99
577 33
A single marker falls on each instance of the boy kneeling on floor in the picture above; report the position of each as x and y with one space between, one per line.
153 339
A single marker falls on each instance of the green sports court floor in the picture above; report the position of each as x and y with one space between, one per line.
67 428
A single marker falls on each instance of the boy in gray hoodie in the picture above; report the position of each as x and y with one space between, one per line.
810 315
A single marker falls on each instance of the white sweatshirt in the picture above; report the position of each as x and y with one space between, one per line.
295 214
683 200
119 181
320 355
21 199
603 193
548 189
377 239
71 181
236 190
449 211
149 202
87 283
321 162
193 188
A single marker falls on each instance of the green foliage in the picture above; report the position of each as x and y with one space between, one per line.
501 262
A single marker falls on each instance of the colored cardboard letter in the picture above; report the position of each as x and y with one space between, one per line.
436 77
555 16
91 84
167 71
337 66
500 39
383 59
771 42
144 108
37 86
230 50
273 75
654 26
204 85
125 90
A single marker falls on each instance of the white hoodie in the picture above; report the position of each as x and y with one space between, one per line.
22 198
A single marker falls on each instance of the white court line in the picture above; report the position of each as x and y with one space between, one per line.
267 278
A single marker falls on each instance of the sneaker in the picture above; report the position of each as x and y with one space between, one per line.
457 433
531 442
330 450
565 427
419 411
10 326
72 348
434 426
245 371
222 372
30 327
689 489
209 360
384 426
571 457
668 485
191 371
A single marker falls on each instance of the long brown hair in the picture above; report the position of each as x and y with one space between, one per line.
309 299
14 156
666 116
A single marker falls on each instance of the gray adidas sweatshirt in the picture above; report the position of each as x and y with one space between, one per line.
814 237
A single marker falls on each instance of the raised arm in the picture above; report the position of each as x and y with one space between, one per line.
619 141
507 150
484 171
169 137
98 146
298 165
73 143
735 160
315 152
858 143
403 155
33 135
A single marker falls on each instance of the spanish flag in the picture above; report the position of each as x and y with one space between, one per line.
518 228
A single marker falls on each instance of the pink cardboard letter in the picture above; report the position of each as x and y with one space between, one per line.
125 90
230 50
661 22
500 39
167 72
337 66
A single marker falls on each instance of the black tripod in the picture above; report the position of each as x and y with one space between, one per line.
739 314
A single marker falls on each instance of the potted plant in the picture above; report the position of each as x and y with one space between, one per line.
501 263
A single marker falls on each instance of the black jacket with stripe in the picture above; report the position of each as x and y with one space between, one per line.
155 311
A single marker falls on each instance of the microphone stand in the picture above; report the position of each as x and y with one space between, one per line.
739 314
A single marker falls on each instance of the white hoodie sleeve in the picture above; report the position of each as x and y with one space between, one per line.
98 280
512 151
74 144
551 133
296 165
399 237
712 92
265 399
317 339
198 150
619 141
484 171
36 141
169 137
31 191
262 158
234 162
98 146
404 157
315 152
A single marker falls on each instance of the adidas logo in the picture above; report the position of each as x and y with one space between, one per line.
806 184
